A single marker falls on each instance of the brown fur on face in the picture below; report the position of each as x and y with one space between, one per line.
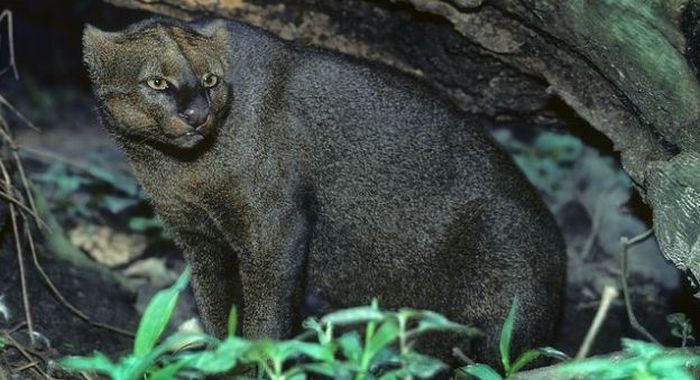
120 66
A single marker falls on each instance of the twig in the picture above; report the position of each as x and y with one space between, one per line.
595 224
27 188
31 364
626 244
10 43
32 210
609 294
20 260
19 326
12 108
50 157
24 208
20 168
24 352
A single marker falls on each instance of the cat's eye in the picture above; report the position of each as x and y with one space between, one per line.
159 84
209 80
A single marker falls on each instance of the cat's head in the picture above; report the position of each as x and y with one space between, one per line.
161 83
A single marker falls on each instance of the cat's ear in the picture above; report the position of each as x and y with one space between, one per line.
98 47
217 30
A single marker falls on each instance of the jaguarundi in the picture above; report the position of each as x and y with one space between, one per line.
282 169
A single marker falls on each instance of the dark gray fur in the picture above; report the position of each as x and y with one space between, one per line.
326 174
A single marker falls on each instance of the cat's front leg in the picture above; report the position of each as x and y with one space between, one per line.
215 270
272 274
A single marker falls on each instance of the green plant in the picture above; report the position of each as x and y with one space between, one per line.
94 193
347 356
485 372
642 361
681 327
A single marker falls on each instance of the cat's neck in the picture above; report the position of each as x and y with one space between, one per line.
146 158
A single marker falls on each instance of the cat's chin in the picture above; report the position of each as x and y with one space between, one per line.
187 141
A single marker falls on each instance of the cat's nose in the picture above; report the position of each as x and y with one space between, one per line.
194 117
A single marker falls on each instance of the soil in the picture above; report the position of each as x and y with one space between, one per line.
60 104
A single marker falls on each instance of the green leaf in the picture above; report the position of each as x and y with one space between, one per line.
68 185
182 340
222 359
232 323
324 335
97 363
394 374
353 315
481 372
387 332
432 321
675 374
507 334
157 315
294 376
423 366
387 357
523 360
116 205
140 224
333 370
351 346
552 352
665 362
641 348
168 372
292 349
260 351
315 351
118 180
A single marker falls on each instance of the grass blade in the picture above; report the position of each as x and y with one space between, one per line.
157 315
507 335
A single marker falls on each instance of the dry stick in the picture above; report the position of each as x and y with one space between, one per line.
33 211
19 326
48 156
11 47
25 181
12 108
4 131
626 244
609 294
24 208
24 352
595 225
20 261
27 188
31 364
60 296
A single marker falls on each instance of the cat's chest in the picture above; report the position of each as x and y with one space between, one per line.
183 183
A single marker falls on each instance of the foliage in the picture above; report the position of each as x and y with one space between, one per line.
546 161
92 193
681 327
485 372
343 356
643 360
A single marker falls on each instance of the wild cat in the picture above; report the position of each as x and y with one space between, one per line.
282 169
